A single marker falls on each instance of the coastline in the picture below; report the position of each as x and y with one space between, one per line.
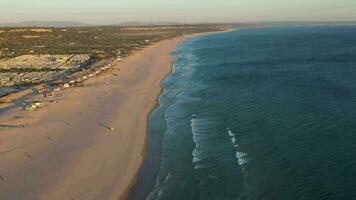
129 191
64 154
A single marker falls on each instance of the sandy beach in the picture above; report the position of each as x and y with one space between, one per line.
87 143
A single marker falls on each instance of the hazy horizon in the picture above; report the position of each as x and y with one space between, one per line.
111 11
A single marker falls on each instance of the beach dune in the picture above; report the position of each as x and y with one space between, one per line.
89 143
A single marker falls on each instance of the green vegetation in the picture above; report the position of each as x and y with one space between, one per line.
89 40
28 70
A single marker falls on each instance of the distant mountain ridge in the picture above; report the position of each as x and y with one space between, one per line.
63 24
138 23
45 24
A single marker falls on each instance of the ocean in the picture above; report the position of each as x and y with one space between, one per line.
256 114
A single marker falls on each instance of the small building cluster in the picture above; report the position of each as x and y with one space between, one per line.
74 71
43 62
36 69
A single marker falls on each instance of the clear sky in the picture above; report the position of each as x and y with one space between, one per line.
114 11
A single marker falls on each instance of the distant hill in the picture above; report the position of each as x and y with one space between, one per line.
79 24
45 24
138 23
66 24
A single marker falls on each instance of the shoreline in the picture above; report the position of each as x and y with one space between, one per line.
63 155
129 191
180 39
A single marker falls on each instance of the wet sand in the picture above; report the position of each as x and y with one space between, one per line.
66 150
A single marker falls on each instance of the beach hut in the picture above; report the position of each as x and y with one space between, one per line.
66 85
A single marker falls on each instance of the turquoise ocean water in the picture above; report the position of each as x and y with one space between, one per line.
259 113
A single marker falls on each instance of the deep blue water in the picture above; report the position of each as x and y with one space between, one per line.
258 114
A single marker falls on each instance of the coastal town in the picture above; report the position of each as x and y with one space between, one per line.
48 74
32 69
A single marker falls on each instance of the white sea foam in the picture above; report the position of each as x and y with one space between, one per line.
197 152
174 68
242 158
232 136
